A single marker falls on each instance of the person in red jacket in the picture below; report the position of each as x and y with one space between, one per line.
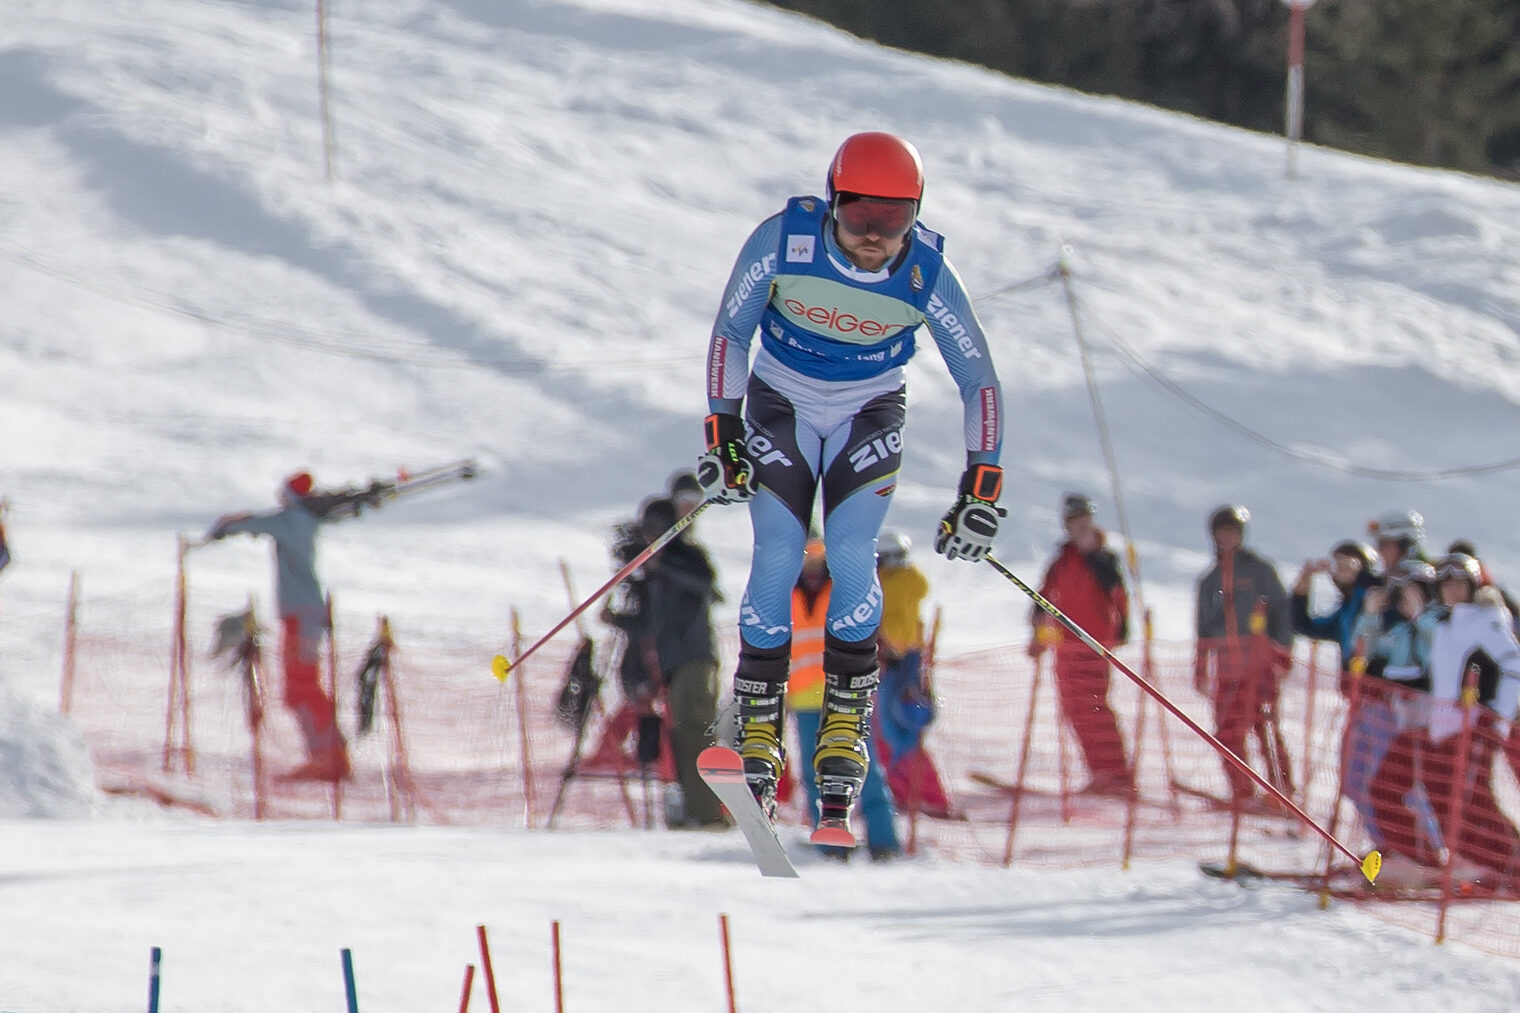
1084 580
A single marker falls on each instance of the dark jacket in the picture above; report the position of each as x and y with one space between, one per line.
682 588
1229 593
1337 625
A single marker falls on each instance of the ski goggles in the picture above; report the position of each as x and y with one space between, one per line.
1411 572
1448 570
887 217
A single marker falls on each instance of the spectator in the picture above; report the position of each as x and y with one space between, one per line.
1398 535
907 703
1085 581
629 612
1473 633
805 695
1392 707
1244 631
677 589
1353 569
1464 547
685 492
304 618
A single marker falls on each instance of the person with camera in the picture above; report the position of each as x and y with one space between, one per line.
1391 711
1353 570
671 652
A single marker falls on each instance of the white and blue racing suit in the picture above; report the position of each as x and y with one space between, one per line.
825 401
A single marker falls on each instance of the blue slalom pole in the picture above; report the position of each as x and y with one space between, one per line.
348 981
155 961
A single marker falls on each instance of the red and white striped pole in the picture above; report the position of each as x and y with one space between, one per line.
1294 126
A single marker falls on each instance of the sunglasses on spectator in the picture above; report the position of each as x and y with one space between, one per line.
1453 570
887 217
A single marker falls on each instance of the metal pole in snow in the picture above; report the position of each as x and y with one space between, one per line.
155 962
349 990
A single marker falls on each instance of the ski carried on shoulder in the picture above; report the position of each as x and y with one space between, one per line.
723 771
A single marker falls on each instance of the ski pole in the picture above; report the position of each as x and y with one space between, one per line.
1369 865
501 667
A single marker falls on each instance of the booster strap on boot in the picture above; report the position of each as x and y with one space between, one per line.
760 681
850 675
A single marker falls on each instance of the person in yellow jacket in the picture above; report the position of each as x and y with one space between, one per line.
905 704
804 698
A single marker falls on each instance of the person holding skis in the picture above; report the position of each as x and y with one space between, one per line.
837 288
304 618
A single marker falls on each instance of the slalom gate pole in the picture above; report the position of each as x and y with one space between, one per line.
1370 865
350 990
728 963
155 963
490 972
469 979
501 667
559 968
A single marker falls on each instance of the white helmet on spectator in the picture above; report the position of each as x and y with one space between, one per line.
892 547
1400 526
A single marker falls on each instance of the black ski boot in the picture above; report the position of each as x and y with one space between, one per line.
841 758
759 688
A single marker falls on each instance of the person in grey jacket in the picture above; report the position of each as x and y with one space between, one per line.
304 618
1245 630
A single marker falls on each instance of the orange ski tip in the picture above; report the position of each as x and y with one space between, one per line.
1372 865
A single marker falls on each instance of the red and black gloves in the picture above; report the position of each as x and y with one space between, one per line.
967 529
725 472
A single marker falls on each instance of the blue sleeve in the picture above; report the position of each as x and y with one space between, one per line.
744 300
963 345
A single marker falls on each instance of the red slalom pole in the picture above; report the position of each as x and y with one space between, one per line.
1369 865
728 963
559 978
469 980
501 667
485 963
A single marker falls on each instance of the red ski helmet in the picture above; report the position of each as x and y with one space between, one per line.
876 164
300 483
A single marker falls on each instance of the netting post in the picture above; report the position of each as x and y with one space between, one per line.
520 698
70 647
1018 780
329 141
403 800
332 693
253 702
1456 799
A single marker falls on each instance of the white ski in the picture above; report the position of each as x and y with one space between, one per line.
723 771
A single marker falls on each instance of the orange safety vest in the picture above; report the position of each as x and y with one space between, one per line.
804 687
